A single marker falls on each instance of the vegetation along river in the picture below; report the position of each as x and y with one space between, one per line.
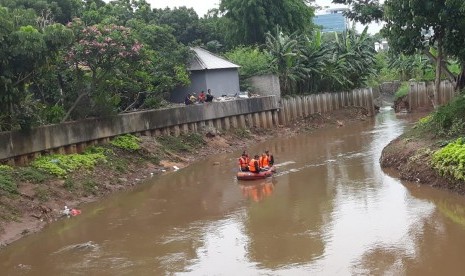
330 210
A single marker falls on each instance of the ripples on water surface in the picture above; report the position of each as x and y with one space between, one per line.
329 210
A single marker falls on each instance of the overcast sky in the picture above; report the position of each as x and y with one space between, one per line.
202 7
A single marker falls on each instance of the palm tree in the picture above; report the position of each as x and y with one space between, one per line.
287 58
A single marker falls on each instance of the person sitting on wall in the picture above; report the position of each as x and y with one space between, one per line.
253 165
193 99
187 99
209 96
202 97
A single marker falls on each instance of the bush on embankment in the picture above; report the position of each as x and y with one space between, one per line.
450 160
402 91
436 141
447 121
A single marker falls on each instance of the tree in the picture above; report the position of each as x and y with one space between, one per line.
100 52
417 25
24 52
184 21
248 21
212 30
286 57
253 62
170 58
363 11
61 11
454 36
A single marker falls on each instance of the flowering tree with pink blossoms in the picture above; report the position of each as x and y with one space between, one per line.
100 57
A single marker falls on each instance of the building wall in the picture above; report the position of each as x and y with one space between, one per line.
265 85
223 81
198 83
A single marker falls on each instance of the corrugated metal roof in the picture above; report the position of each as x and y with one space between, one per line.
204 60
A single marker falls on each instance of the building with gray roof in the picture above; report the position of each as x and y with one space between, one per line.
209 71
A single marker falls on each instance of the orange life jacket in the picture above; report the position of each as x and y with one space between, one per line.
270 159
264 162
252 167
243 162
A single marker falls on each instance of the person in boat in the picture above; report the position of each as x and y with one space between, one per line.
244 162
263 161
254 166
270 158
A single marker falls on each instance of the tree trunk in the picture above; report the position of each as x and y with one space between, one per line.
73 107
446 70
460 84
437 89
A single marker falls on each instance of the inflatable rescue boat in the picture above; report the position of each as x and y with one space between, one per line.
254 176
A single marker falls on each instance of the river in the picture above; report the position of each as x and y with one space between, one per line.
329 210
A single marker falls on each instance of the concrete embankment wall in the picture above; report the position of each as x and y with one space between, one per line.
301 106
19 147
422 95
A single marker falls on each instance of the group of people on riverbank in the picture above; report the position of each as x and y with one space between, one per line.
202 98
256 164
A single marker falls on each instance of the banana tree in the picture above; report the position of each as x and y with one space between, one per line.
287 58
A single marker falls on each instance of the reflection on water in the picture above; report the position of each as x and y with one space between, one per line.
329 210
257 190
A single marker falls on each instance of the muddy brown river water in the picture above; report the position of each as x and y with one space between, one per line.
330 210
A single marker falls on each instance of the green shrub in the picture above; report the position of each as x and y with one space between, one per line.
242 133
127 142
5 168
193 139
173 143
402 91
32 174
52 114
183 143
7 184
450 160
448 119
61 165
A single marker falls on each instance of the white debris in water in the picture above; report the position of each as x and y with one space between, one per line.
175 168
284 163
90 245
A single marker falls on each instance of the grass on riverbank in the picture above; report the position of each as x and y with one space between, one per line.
433 151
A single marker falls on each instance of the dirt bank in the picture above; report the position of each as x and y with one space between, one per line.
39 199
410 155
